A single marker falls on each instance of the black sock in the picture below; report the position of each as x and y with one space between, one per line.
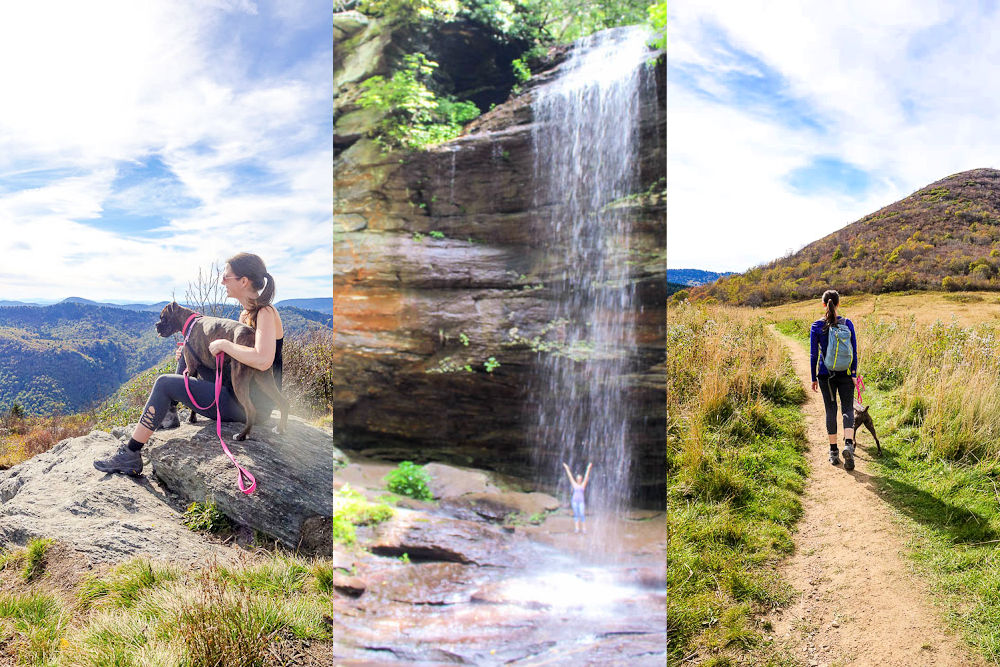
134 445
848 441
833 447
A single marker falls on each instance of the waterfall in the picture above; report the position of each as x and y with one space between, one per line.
586 146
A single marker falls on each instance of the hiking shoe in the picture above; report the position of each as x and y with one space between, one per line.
834 458
125 460
848 456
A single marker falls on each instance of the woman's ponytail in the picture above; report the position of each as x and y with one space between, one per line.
832 299
247 265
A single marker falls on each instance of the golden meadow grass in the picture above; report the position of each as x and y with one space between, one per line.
735 469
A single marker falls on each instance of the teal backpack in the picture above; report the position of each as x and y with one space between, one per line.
839 353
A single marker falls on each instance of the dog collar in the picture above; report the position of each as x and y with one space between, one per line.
184 329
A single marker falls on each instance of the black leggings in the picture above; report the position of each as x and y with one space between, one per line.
831 385
169 389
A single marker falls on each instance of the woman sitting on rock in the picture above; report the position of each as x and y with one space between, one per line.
577 502
246 280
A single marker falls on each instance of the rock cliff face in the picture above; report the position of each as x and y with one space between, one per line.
439 265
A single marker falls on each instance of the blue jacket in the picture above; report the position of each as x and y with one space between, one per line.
819 336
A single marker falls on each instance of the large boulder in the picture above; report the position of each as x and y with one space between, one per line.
294 471
426 537
106 518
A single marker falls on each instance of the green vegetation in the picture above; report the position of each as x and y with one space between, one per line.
532 21
350 509
207 517
735 471
142 613
491 364
657 14
307 378
32 624
34 558
521 71
124 585
415 117
409 480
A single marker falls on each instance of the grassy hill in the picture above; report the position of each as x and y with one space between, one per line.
944 236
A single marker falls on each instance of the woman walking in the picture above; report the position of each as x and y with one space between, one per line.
833 363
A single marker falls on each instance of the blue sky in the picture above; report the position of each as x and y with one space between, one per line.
141 141
789 120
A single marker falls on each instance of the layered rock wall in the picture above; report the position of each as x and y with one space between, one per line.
439 266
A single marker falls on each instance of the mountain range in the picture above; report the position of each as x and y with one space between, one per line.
694 277
321 305
945 235
68 356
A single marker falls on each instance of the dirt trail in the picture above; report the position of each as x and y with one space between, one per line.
860 602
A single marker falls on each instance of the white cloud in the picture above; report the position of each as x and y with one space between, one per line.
902 91
89 87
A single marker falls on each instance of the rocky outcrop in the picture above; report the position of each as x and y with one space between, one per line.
105 518
439 265
59 494
293 501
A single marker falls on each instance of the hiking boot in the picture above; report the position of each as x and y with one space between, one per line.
171 420
834 458
125 460
848 455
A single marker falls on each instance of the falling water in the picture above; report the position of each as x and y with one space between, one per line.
586 143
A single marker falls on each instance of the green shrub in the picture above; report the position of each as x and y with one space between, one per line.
206 516
521 71
415 117
409 480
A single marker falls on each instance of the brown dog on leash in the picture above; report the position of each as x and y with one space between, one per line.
202 331
862 418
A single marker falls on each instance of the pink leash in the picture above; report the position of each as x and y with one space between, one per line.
861 387
241 471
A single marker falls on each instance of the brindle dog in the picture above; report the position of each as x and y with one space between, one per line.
862 418
203 330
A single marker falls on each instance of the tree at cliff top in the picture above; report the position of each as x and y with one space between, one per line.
535 21
944 236
413 116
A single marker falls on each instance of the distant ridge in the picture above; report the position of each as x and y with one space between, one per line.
320 305
694 277
945 235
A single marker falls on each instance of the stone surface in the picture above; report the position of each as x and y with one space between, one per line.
293 501
106 518
425 537
451 482
501 506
